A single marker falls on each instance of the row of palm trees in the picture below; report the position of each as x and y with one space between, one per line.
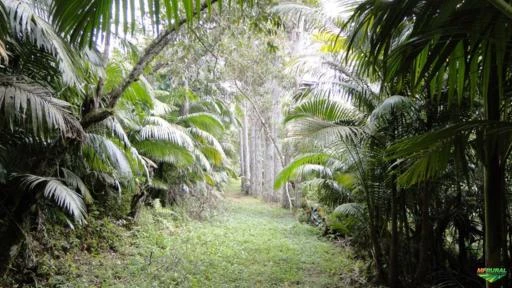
80 127
409 106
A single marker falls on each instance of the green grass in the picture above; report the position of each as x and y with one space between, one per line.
248 244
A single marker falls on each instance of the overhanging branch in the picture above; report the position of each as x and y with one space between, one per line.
154 48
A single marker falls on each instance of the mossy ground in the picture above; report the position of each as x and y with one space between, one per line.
247 244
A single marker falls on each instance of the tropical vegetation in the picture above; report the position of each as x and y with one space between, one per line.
385 123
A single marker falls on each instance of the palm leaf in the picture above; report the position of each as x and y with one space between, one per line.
165 131
354 209
86 22
210 143
395 103
289 171
75 182
109 153
164 151
53 189
325 109
25 103
24 21
204 121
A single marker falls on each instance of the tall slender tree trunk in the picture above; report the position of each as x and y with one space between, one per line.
242 159
253 156
494 183
426 233
256 176
259 161
269 134
269 170
393 253
245 149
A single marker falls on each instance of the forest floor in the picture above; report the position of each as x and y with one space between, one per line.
247 243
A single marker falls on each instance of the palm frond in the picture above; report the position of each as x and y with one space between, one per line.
395 103
354 209
166 132
24 21
429 166
165 152
204 121
86 22
202 160
53 189
289 171
324 132
113 127
209 142
160 108
110 153
25 103
325 109
303 16
75 182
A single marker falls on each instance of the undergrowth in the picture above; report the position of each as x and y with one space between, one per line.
242 243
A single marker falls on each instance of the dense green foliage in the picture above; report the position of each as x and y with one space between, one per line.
398 138
246 244
407 104
89 128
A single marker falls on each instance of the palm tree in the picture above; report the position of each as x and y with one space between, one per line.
56 105
460 46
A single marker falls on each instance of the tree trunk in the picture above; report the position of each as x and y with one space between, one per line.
137 203
259 161
245 149
393 253
269 169
269 134
243 173
425 245
252 155
494 183
13 232
374 238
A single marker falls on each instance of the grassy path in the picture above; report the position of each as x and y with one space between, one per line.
249 244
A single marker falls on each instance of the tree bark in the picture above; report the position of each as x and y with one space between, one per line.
494 182
269 169
243 173
393 253
245 149
260 140
252 155
425 245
